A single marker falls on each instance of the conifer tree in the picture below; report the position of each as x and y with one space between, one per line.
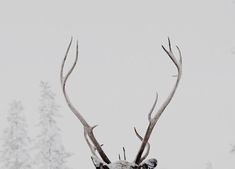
51 153
15 148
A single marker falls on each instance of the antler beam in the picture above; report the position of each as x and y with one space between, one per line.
153 120
88 130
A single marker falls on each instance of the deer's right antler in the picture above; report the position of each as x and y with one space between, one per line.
153 120
88 130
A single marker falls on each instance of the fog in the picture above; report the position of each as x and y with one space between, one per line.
121 66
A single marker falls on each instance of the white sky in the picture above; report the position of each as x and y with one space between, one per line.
121 65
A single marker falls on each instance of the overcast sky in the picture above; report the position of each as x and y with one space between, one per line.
121 66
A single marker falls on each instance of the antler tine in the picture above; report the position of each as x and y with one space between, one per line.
62 66
124 153
92 148
88 129
153 107
148 146
153 121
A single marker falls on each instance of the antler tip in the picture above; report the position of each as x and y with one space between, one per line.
163 48
169 44
93 127
136 132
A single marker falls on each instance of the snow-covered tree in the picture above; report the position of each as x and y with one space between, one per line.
50 153
15 148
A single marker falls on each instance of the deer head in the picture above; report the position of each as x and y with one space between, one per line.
99 158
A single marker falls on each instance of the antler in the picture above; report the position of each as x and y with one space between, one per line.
153 120
88 130
148 146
